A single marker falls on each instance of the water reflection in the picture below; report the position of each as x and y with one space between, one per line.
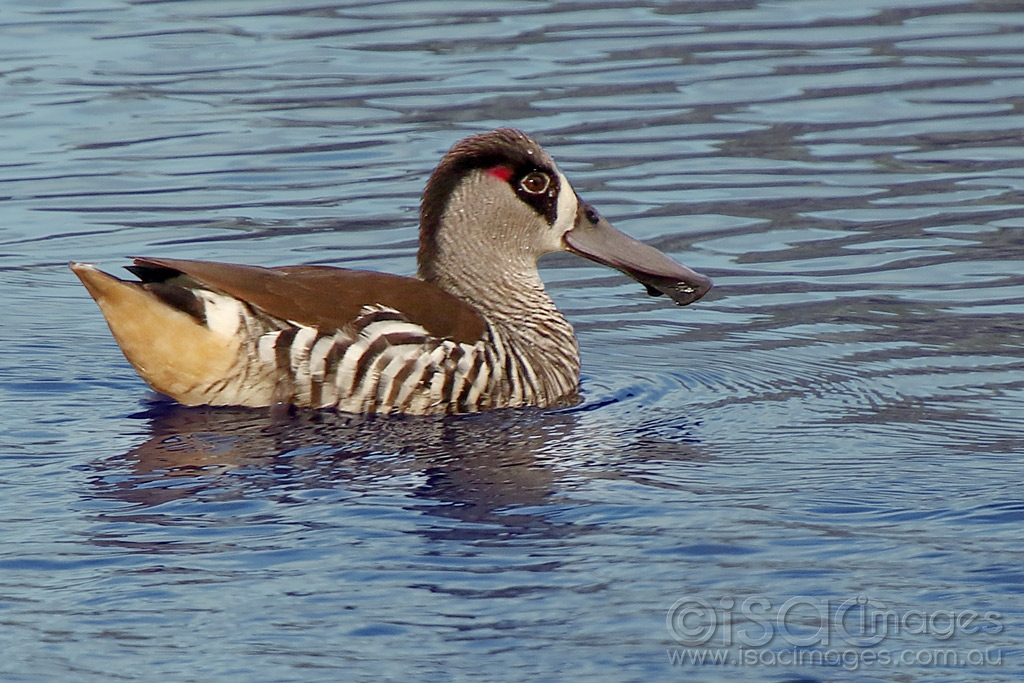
506 468
469 467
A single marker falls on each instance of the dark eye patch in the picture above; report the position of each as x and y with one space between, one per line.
539 188
535 183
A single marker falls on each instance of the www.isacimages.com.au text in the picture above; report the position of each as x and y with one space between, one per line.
850 659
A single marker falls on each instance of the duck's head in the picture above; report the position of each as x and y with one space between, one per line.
497 202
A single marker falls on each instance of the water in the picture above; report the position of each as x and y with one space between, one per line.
838 426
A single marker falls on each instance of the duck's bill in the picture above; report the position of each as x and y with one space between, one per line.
594 238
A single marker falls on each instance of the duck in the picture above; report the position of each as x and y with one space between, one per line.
475 329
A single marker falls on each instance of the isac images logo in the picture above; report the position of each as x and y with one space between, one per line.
851 633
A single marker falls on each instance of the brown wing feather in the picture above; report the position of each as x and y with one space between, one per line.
327 297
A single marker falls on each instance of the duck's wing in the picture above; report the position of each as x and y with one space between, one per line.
323 297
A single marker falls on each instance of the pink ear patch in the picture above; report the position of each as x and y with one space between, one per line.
503 173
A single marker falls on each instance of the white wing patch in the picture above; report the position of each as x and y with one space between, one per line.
223 313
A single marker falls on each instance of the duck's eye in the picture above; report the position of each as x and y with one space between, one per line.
535 183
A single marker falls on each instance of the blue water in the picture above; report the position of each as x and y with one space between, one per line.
837 429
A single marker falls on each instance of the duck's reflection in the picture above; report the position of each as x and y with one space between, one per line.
478 468
506 471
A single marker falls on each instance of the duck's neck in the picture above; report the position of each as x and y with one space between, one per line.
542 340
483 247
529 332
